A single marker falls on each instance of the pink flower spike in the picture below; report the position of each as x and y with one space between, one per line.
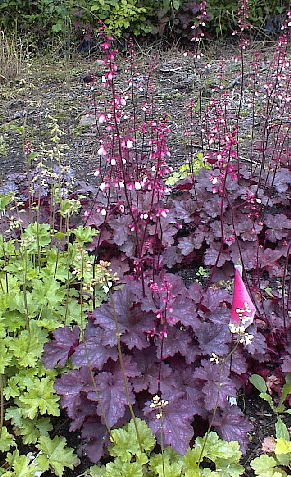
243 309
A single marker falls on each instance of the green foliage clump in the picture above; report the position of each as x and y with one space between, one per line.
133 457
50 18
47 280
122 16
191 167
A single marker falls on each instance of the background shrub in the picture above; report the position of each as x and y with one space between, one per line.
68 20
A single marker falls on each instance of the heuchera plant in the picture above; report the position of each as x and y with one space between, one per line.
175 341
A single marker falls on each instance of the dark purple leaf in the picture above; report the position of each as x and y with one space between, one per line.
258 346
247 229
83 409
70 385
184 311
213 254
238 363
193 389
277 223
186 245
286 363
172 256
97 436
185 210
217 384
133 323
155 376
249 255
282 180
213 338
195 292
177 418
213 297
112 394
93 350
233 425
177 341
59 349
111 390
121 230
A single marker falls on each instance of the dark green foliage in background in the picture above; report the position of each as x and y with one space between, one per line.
75 20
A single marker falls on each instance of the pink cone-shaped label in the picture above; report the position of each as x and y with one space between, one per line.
243 309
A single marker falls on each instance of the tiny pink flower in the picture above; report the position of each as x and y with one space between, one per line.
101 151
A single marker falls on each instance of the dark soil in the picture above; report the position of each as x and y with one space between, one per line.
49 86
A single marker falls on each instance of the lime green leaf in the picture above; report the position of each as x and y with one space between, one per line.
55 454
97 471
28 345
286 389
282 446
123 469
85 234
5 356
5 200
7 440
36 234
41 397
21 465
258 382
29 429
125 443
193 473
263 464
166 464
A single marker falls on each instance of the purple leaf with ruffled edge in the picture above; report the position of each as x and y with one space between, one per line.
82 410
238 362
172 256
177 341
120 227
258 346
282 180
193 389
70 385
152 301
177 418
155 375
277 226
93 350
112 394
268 259
195 292
248 253
212 298
246 228
185 210
213 339
133 323
98 438
217 386
211 256
61 347
186 245
232 425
